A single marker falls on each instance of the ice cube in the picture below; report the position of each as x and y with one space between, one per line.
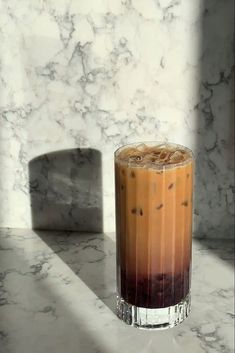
176 157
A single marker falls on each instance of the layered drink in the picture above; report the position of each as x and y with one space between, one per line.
154 184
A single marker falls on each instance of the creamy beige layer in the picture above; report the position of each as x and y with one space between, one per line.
154 218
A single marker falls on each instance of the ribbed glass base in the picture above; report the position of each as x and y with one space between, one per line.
157 319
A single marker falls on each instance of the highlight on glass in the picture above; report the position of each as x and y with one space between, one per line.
154 197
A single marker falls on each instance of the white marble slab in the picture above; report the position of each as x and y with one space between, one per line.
99 74
57 295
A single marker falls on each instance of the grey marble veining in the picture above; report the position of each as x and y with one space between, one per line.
99 74
57 294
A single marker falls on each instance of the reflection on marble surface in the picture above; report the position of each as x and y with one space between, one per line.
57 295
98 74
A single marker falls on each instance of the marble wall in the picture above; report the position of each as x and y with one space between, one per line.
80 78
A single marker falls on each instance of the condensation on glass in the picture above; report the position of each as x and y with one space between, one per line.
154 196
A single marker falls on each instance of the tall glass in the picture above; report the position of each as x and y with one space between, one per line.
154 195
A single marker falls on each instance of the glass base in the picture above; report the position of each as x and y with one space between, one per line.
157 319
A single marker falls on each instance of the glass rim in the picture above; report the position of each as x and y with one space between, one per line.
189 159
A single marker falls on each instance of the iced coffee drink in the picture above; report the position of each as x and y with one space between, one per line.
154 185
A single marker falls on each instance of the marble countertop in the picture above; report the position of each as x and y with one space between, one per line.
57 295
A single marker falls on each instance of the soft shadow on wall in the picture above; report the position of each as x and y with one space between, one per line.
214 194
66 190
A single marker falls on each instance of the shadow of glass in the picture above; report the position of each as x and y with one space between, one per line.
66 190
66 195
214 198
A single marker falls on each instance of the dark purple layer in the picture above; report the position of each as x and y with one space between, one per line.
157 291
